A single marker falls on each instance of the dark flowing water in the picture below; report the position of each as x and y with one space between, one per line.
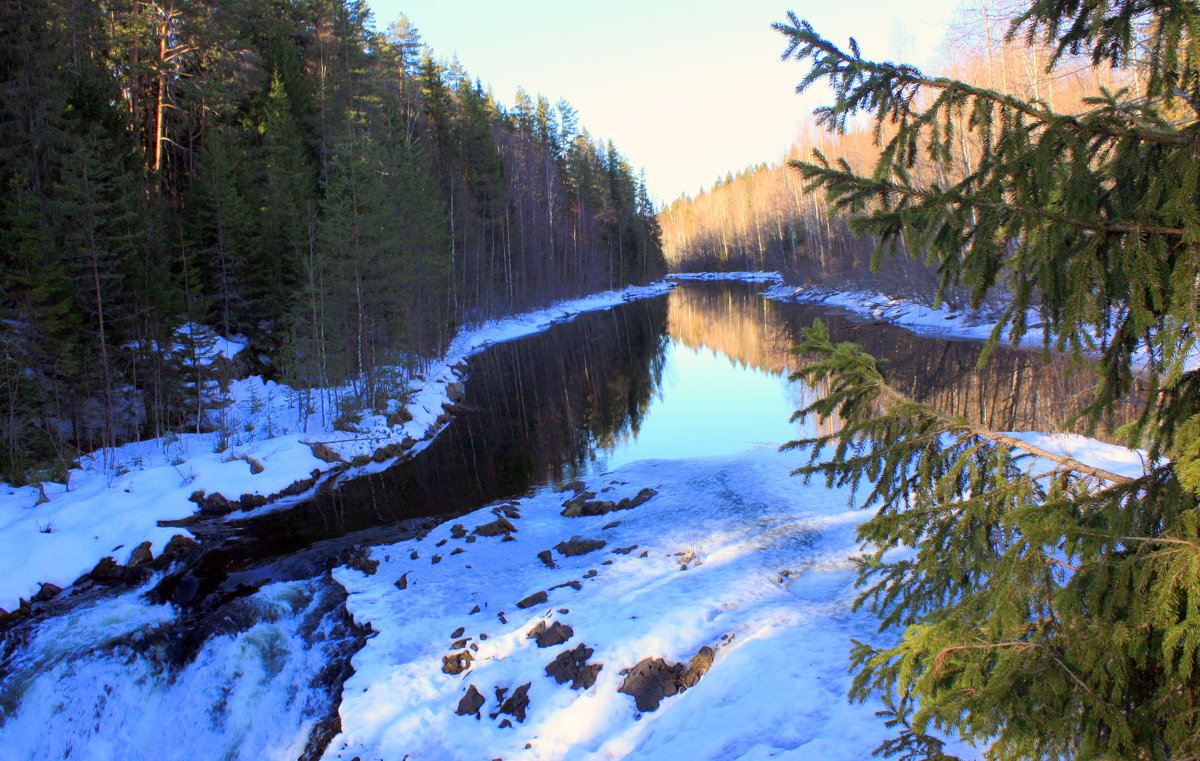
242 653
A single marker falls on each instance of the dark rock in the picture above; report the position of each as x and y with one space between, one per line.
197 496
607 526
572 584
575 486
645 554
503 725
625 550
249 502
650 681
536 598
572 666
215 504
483 635
590 574
605 562
456 663
435 559
471 539
142 554
509 538
510 512
585 504
516 703
458 632
474 610
471 702
414 555
495 528
106 570
579 546
186 590
402 582
46 592
324 452
547 558
457 551
653 679
460 643
179 544
500 616
556 634
457 531
441 543
360 560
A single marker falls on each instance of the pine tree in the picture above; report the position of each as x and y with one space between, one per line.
1048 609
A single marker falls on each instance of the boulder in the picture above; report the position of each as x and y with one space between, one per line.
471 702
142 554
516 703
579 546
46 592
456 663
537 598
547 558
572 666
495 528
585 503
556 634
653 679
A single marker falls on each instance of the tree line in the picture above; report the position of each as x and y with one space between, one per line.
275 169
764 217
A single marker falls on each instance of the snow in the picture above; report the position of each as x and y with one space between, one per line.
738 556
113 502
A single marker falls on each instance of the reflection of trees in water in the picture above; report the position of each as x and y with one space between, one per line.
533 410
1015 390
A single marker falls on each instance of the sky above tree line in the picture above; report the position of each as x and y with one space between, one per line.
687 89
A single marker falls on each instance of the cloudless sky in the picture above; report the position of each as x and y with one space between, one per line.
687 89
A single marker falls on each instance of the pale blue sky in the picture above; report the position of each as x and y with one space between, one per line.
687 89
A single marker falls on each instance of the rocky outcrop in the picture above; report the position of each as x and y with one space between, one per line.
579 546
585 503
549 636
572 666
471 703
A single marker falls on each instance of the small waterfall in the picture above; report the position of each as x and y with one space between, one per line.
258 678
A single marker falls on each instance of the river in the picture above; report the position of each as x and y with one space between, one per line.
242 654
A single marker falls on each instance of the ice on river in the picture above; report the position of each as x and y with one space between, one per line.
732 553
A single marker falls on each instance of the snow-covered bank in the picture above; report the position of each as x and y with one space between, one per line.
731 554
511 632
113 502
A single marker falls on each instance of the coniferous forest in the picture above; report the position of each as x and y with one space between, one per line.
275 169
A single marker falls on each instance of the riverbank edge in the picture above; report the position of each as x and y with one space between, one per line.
107 518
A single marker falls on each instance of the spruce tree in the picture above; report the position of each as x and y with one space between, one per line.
1047 609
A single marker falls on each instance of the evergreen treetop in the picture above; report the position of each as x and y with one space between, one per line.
1048 609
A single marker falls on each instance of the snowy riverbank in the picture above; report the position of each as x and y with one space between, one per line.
114 502
730 554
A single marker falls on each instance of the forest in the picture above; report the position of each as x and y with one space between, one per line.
280 171
765 217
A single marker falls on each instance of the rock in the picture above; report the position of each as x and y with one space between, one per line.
441 543
215 504
457 531
556 634
503 725
645 554
471 538
454 391
510 511
249 502
106 570
572 666
471 702
456 663
458 632
360 560
402 582
414 555
607 526
536 598
547 558
700 664
509 538
435 559
474 610
324 452
457 551
584 504
516 704
460 643
256 467
197 496
142 554
572 584
625 550
650 681
46 592
579 546
501 617
575 486
179 544
495 528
